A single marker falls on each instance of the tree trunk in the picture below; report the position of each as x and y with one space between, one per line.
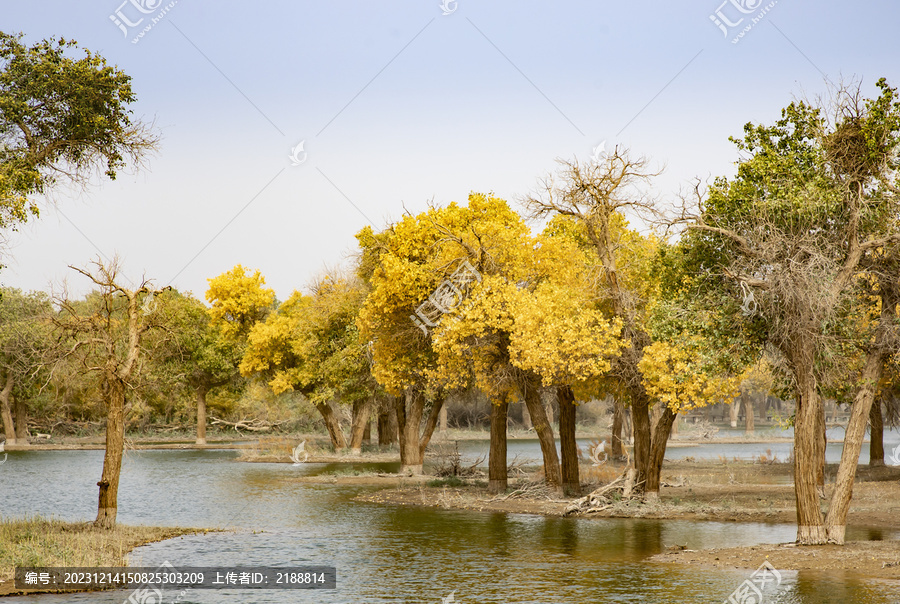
571 482
409 417
107 506
548 408
661 432
860 412
526 419
836 519
736 409
640 417
333 425
443 419
675 423
808 457
386 434
876 442
367 431
747 403
436 406
9 429
617 450
544 433
497 453
361 412
201 414
21 420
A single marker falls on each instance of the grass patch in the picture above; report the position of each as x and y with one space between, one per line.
449 481
40 542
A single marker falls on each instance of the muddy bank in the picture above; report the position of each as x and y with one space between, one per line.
880 559
733 491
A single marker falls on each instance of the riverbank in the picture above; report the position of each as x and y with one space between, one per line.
319 443
37 542
731 491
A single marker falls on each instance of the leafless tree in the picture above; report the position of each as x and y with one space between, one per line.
106 332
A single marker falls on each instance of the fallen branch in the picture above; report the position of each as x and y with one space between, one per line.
602 498
253 425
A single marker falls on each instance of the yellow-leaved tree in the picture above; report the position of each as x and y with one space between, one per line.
496 328
311 345
239 300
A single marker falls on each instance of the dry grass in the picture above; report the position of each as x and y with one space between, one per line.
274 448
602 474
40 542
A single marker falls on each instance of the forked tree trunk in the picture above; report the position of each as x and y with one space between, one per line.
544 433
410 411
201 414
9 429
571 481
497 478
361 412
617 448
876 439
661 432
749 411
333 425
107 507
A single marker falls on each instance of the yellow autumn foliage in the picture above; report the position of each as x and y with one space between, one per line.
238 301
674 374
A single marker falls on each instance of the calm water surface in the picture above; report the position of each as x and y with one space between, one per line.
389 554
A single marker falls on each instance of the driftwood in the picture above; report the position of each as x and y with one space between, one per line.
253 425
602 498
532 490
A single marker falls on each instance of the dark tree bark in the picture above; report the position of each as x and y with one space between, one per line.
21 420
571 481
107 506
661 432
640 416
386 433
367 432
876 441
544 433
497 477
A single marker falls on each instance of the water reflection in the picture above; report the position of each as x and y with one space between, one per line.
391 554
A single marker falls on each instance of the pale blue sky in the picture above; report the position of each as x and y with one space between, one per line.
399 104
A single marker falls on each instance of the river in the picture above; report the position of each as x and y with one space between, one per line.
390 554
